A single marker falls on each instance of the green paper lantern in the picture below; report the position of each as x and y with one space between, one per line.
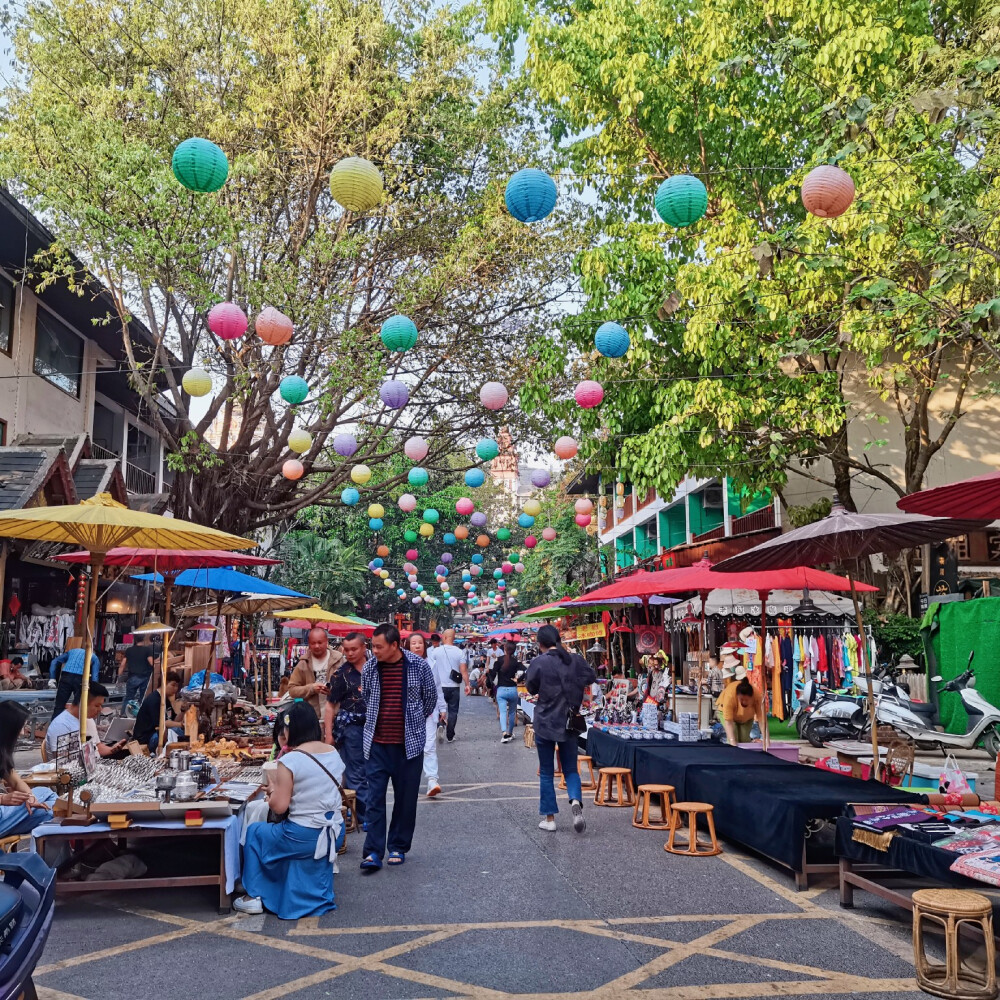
410 536
398 333
681 200
487 449
503 534
293 389
200 165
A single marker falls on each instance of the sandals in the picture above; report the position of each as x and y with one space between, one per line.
396 858
371 864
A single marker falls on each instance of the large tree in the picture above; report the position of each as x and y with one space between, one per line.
287 88
761 332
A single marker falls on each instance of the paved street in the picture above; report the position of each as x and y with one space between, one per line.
489 906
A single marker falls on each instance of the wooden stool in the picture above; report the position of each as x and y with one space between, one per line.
590 784
8 845
350 803
691 847
664 794
619 780
343 813
529 736
949 909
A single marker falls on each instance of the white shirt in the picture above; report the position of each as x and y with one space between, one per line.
445 659
316 798
63 724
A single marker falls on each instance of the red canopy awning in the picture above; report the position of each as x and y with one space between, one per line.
977 498
699 579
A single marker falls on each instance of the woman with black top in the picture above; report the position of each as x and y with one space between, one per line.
559 678
505 681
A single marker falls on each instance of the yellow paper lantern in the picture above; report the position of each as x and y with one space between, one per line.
388 582
384 573
461 532
532 507
426 529
197 382
361 474
376 510
300 440
356 184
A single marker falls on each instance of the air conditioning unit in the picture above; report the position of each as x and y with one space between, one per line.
712 498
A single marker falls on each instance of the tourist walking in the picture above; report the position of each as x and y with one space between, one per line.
344 718
559 679
400 693
417 645
310 678
137 668
70 677
505 683
452 671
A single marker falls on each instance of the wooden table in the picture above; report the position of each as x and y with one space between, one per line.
50 834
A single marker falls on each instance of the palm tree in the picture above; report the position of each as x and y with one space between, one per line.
324 567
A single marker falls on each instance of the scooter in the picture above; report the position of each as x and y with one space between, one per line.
984 719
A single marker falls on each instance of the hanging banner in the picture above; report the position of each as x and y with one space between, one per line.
595 631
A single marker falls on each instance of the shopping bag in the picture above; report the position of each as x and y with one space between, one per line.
953 780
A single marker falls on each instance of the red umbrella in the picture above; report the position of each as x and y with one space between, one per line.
978 497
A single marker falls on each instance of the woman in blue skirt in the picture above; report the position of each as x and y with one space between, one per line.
288 866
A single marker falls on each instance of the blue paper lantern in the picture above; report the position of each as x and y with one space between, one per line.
417 476
293 389
398 333
681 200
449 538
375 523
498 574
200 165
400 592
487 449
475 477
612 341
394 394
350 496
377 563
478 558
466 577
530 195
525 520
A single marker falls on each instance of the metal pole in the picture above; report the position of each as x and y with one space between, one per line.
868 673
96 562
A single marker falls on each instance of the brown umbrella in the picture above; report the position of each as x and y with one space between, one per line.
845 537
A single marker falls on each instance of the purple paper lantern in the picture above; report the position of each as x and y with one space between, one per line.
394 394
478 519
540 478
446 557
345 444
440 570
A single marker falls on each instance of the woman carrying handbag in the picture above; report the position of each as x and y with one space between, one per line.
559 679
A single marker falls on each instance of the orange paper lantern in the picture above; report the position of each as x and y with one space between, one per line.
293 469
461 532
482 541
273 327
827 191
382 551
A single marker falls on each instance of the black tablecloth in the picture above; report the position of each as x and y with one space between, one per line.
612 751
669 764
904 853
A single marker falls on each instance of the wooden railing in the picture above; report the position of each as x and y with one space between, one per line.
759 520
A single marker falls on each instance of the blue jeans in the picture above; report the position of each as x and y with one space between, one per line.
352 752
387 762
135 689
17 819
507 701
546 770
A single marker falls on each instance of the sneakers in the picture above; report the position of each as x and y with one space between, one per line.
549 825
435 789
579 823
248 904
451 739
506 738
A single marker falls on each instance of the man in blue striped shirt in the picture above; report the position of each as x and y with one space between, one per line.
71 678
400 694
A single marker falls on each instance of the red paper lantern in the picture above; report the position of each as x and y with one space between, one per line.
227 321
588 394
464 506
273 327
827 191
412 555
530 542
582 519
583 506
549 534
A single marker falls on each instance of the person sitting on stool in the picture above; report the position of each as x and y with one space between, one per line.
147 721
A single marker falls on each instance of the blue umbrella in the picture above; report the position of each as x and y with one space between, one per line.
223 580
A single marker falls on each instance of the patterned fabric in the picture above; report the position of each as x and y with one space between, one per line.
418 680
389 726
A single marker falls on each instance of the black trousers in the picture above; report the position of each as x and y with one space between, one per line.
387 763
69 685
452 695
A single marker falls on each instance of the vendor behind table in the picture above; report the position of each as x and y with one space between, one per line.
740 704
68 722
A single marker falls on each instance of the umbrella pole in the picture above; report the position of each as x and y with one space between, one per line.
96 562
703 659
673 671
765 735
164 658
168 593
868 674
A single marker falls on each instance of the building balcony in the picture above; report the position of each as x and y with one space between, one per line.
138 480
758 520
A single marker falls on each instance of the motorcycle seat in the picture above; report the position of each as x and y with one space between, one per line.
923 708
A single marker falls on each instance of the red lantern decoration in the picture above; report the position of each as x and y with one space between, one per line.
549 534
827 191
565 447
589 394
227 321
273 327
412 555
582 519
464 506
530 542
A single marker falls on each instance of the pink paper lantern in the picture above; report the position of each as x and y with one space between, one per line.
409 568
464 506
549 534
407 502
530 542
293 469
588 394
582 519
412 554
827 191
565 447
416 449
519 567
273 327
507 568
475 570
493 395
227 321
583 506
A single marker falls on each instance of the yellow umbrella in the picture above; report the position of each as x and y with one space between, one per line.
99 525
314 615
